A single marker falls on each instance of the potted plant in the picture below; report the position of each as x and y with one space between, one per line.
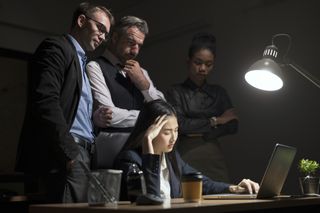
309 182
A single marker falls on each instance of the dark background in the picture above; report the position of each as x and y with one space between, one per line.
243 29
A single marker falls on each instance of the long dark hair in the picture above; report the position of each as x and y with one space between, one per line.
147 116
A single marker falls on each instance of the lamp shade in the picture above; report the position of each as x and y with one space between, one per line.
265 74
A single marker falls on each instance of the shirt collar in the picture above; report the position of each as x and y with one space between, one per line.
76 44
163 162
112 59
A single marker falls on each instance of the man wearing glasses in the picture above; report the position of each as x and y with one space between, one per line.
121 84
101 27
58 133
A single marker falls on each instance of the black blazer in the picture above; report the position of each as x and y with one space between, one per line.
54 88
150 165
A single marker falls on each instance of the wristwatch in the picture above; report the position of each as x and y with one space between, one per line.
214 121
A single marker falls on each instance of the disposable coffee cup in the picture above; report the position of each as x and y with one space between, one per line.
192 187
104 187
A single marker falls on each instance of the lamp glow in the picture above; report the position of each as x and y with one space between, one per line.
266 74
264 80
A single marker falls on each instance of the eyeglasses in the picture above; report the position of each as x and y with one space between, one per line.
102 29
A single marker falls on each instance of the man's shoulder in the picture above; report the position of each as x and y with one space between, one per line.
56 43
102 60
57 40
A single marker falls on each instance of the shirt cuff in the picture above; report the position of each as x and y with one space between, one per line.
146 95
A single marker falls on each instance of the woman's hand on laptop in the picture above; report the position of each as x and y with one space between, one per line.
245 186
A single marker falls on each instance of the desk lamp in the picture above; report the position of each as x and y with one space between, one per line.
266 73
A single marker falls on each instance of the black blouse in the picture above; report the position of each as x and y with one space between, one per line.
195 105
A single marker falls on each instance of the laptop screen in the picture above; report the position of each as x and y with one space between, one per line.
277 171
274 177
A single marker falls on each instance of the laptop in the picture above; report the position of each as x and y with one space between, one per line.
273 178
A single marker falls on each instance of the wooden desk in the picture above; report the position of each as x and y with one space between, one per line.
178 206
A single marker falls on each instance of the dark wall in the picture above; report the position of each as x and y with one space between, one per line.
243 29
12 106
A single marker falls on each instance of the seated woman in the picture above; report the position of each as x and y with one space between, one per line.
151 148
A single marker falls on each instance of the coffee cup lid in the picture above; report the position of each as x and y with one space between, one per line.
192 176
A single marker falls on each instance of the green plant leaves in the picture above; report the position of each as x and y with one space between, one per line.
307 166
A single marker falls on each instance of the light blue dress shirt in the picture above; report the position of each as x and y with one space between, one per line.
82 125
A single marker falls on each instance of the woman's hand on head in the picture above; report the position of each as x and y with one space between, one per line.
245 186
152 132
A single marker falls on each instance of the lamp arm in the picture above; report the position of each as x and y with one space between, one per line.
305 74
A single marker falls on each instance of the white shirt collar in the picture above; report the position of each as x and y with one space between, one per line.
164 179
